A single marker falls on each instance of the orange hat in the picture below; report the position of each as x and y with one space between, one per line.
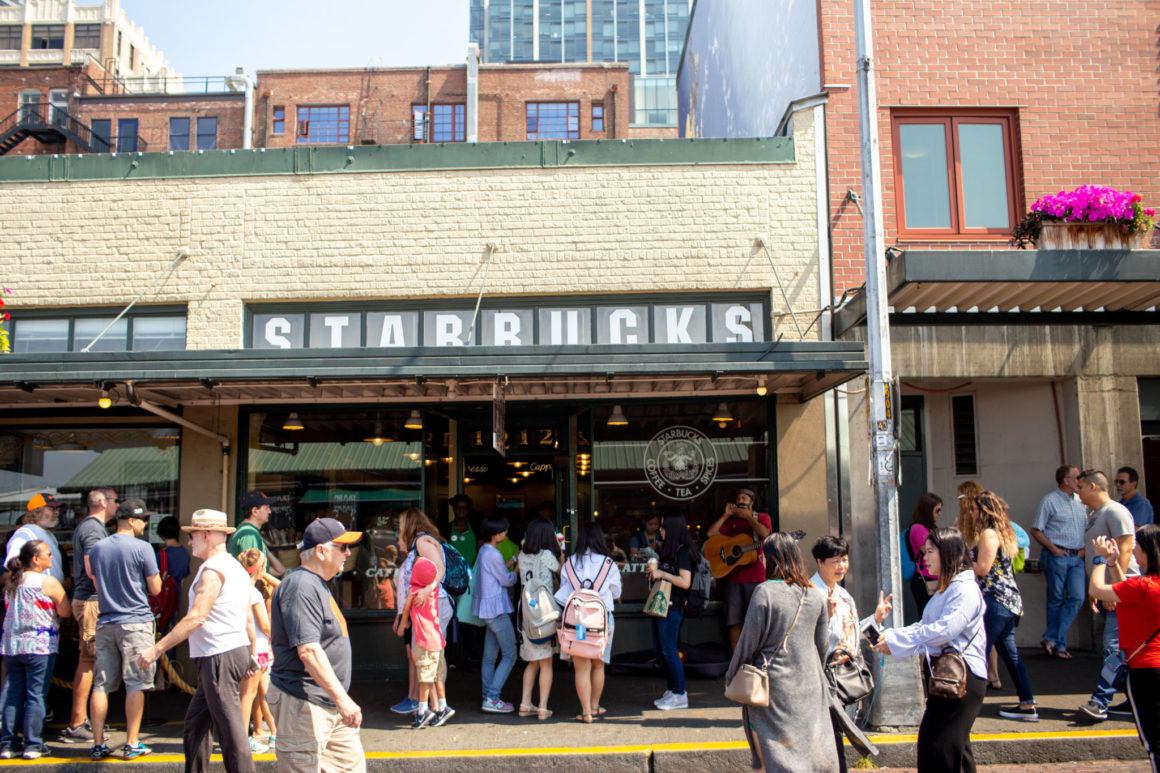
43 500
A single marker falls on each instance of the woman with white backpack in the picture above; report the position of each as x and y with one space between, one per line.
589 587
539 563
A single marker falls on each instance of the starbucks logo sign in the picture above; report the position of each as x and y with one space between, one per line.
680 462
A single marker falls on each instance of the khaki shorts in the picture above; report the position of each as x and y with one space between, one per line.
118 645
312 738
430 665
86 614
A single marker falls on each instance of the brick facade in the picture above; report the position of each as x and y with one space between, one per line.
16 80
380 100
1083 86
153 114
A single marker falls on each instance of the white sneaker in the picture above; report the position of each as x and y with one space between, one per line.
674 701
668 694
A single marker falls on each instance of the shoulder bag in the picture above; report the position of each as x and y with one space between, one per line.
948 673
851 679
1120 682
750 685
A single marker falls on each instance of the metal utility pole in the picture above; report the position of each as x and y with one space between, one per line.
899 698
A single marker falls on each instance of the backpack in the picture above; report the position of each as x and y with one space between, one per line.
583 627
539 612
1019 560
164 604
456 572
909 567
698 594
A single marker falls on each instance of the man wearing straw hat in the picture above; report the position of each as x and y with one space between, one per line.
220 630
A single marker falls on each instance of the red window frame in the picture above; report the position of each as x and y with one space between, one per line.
1007 120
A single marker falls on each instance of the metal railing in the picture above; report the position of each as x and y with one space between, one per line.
34 119
107 83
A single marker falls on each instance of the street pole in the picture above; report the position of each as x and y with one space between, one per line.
899 700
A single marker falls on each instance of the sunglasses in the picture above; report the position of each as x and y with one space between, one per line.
343 548
1122 482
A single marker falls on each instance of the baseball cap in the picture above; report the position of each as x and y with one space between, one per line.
422 573
324 530
134 508
254 499
43 500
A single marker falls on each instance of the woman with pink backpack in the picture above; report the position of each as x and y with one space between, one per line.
589 588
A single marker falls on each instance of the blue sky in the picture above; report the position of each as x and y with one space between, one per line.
212 37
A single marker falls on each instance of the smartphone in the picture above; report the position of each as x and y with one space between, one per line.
872 633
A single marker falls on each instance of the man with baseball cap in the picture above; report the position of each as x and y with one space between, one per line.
318 723
256 507
125 573
39 519
220 630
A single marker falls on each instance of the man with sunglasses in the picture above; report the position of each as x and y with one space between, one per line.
318 723
1127 480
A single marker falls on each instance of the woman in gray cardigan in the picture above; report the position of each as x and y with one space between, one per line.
786 627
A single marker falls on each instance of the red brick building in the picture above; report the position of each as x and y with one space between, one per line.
402 105
1063 95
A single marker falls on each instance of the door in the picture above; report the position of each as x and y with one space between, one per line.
58 106
29 106
912 449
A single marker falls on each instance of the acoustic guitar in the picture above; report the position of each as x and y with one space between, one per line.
727 554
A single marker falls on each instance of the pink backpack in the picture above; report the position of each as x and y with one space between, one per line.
583 629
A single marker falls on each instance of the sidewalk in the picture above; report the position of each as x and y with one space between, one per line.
631 737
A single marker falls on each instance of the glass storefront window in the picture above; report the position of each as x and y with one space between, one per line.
33 336
85 329
363 468
135 461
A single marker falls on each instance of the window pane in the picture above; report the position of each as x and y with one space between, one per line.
553 120
126 135
924 173
10 35
151 334
86 329
279 126
984 175
102 128
40 335
207 133
179 134
323 125
87 36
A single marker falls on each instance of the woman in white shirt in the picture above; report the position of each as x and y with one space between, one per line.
586 562
952 619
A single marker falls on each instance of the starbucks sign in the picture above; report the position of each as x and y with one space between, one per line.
680 462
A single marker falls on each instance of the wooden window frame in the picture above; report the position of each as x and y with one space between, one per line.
950 120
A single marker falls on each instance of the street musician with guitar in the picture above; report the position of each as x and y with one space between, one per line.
739 519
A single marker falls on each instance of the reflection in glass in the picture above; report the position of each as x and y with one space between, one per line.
40 335
924 174
984 172
85 329
151 334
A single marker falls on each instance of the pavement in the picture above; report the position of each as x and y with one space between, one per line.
633 736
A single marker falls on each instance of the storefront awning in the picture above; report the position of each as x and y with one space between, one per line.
794 371
988 284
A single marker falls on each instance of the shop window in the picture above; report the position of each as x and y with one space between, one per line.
10 37
963 431
363 468
278 120
149 331
87 36
598 117
102 132
126 135
553 120
136 461
179 134
323 125
955 173
207 129
34 336
47 36
152 334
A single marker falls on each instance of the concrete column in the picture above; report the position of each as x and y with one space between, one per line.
1109 422
201 481
801 471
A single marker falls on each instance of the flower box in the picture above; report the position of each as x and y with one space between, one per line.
1085 236
1091 217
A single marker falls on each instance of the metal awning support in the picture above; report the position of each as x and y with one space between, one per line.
157 410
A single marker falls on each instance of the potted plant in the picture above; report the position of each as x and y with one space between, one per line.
1091 217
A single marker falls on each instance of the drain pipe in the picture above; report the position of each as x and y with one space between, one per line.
472 92
157 410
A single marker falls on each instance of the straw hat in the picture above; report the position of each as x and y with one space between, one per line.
209 520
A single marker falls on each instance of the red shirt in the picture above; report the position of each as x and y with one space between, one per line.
1139 616
735 525
425 622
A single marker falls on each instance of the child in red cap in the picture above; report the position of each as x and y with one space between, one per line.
427 644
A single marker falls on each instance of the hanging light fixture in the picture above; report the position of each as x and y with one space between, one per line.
617 418
377 438
762 391
105 401
722 415
293 423
414 421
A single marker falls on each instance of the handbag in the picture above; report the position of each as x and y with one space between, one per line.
659 599
851 679
948 673
750 685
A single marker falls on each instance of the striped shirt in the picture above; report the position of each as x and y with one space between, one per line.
1062 518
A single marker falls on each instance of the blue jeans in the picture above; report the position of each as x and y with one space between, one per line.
666 632
23 699
1066 590
999 623
1113 659
500 636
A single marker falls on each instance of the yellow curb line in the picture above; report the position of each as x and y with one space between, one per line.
882 740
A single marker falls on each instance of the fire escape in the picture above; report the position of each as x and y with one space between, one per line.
49 125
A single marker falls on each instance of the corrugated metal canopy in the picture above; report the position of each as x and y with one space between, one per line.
990 283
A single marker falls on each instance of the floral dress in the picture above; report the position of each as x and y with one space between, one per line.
537 570
999 583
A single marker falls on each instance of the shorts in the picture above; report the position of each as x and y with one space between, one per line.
86 614
118 645
737 597
430 665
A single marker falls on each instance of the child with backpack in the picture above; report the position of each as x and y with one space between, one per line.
589 587
539 563
493 606
427 644
676 565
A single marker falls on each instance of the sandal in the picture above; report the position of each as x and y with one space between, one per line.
527 710
1062 654
585 718
600 711
1048 648
542 714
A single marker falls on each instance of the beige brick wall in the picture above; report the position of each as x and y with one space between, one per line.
414 234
